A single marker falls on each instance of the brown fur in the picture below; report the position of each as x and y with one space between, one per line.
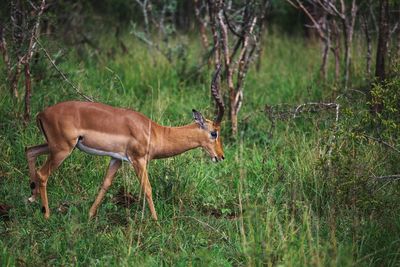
125 132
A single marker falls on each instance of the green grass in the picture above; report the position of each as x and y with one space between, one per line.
271 202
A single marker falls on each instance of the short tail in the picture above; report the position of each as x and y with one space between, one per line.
40 125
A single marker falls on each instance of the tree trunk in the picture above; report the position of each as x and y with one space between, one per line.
28 92
326 43
383 37
14 82
202 25
4 52
369 46
336 50
234 122
398 46
348 29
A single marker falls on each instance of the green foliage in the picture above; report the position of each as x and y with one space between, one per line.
364 153
275 200
386 97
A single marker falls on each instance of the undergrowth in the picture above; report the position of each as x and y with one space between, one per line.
303 192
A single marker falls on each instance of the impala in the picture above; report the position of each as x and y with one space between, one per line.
122 134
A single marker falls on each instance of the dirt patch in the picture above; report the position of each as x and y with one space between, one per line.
229 214
125 198
5 212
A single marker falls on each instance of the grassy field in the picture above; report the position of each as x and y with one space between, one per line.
277 199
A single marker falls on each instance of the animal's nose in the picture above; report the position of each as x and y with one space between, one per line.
218 158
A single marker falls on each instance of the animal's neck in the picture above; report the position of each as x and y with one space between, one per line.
171 141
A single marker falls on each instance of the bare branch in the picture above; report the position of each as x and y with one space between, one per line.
4 51
244 60
231 27
386 177
143 5
213 26
215 92
202 24
317 104
380 141
62 74
314 21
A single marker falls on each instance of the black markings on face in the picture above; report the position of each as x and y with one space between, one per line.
43 209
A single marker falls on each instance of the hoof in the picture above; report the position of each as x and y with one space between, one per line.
46 214
91 216
32 199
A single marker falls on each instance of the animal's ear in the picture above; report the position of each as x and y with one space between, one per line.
198 118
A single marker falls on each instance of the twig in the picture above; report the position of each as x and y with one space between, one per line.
223 234
228 23
318 104
35 32
145 16
385 177
62 74
314 21
381 142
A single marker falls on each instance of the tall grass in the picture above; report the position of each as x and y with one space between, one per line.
271 202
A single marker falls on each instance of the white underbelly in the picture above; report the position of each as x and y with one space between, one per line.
98 152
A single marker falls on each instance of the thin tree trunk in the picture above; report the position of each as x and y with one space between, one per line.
336 50
4 51
397 54
348 29
234 122
144 6
381 52
202 25
14 82
28 92
368 57
325 55
398 44
326 43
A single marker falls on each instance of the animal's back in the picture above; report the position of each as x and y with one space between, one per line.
75 119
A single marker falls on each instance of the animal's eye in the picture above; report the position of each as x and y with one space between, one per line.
214 134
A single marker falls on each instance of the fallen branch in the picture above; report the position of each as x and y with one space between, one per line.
222 233
319 105
386 177
287 111
292 113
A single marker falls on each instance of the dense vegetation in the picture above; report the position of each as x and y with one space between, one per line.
298 187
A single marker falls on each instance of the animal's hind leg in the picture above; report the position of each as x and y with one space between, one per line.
52 163
31 154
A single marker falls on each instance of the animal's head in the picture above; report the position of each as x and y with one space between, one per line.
212 129
211 136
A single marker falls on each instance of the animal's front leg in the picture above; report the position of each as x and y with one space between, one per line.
141 172
113 167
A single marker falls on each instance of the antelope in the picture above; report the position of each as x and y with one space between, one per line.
122 134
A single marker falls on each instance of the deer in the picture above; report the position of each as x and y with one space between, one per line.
122 134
